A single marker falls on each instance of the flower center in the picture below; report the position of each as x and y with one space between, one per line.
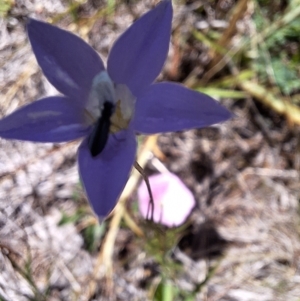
104 91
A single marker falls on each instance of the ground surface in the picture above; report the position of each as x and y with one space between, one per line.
242 242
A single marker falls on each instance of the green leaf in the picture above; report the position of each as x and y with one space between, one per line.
221 93
5 6
92 236
165 291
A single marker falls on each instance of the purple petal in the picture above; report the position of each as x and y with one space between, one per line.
170 107
137 57
68 62
52 119
105 176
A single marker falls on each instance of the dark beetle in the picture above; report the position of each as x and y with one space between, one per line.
99 136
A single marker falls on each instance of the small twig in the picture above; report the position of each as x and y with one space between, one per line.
151 202
27 276
132 224
271 172
238 13
291 111
69 275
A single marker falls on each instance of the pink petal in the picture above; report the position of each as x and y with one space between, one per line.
173 201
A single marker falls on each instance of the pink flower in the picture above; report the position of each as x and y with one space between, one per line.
173 201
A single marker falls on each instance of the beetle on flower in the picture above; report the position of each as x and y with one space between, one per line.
108 107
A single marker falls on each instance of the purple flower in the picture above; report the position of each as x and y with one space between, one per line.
172 200
108 108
